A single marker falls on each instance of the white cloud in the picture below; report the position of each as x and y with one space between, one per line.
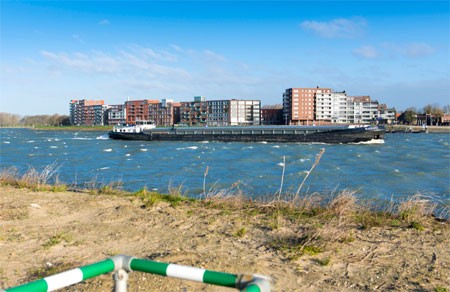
104 22
168 72
411 50
391 50
336 28
367 52
211 56
78 38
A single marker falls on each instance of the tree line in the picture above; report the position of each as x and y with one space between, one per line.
15 120
429 114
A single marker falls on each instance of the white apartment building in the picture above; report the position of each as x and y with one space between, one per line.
365 110
333 107
234 112
245 112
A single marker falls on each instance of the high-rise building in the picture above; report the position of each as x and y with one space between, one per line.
87 112
299 105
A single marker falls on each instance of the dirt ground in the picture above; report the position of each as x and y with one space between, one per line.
41 231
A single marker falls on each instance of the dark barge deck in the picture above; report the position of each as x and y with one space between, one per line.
301 134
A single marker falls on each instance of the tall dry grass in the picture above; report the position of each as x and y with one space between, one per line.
46 179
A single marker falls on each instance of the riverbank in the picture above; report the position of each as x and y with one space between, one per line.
416 129
340 247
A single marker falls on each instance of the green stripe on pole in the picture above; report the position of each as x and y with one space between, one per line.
252 288
97 269
37 286
219 278
149 266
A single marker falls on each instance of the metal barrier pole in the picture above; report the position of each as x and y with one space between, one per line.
123 264
120 281
67 278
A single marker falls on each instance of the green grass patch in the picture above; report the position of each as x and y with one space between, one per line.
150 198
57 239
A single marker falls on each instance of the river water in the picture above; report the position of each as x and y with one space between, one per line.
404 165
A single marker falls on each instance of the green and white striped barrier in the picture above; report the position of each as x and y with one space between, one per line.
122 264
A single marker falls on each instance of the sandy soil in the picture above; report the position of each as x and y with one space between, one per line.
60 231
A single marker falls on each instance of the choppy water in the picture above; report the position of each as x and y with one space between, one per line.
406 164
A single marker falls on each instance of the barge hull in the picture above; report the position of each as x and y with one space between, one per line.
332 136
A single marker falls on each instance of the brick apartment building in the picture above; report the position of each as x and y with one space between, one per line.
272 115
138 110
299 105
87 112
165 113
194 113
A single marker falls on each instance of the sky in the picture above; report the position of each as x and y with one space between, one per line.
397 52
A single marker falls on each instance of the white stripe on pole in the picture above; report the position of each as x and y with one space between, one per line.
184 272
64 279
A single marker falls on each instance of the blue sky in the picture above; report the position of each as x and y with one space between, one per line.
53 51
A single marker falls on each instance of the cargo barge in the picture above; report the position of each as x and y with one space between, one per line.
298 134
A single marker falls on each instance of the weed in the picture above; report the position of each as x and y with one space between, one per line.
323 262
417 226
440 289
56 239
151 198
240 232
311 250
416 210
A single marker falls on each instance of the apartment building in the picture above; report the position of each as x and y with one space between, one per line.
333 107
218 112
194 113
116 114
245 112
138 110
299 105
87 112
272 115
365 110
165 113
386 115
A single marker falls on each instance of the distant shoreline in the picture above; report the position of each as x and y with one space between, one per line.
389 128
407 128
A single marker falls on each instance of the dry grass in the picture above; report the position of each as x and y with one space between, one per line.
39 180
416 211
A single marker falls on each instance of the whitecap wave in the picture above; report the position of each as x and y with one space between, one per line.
6 142
102 137
373 141
107 150
192 147
143 149
103 168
